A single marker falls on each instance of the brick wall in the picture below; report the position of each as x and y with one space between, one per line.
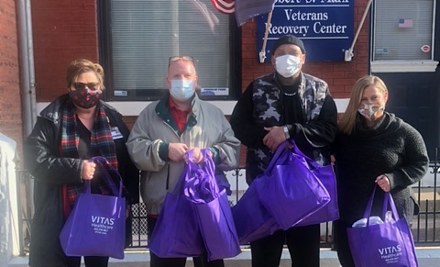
10 112
63 31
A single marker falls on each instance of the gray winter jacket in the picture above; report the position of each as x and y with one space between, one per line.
206 127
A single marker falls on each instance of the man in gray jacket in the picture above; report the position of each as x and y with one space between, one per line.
165 130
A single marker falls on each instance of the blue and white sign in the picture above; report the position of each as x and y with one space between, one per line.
325 27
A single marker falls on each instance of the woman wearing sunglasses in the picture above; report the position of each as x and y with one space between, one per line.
69 131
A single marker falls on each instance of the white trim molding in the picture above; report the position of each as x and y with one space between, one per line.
133 108
382 66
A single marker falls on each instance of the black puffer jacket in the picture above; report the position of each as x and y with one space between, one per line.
393 148
51 172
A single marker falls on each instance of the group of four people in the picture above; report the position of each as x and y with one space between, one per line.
370 146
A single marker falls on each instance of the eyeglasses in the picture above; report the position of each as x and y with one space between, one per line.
82 86
175 58
185 58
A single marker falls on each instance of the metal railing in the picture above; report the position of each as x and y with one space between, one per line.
424 227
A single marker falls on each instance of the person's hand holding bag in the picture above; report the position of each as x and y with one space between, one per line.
88 169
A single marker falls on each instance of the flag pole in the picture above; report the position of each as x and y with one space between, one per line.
266 34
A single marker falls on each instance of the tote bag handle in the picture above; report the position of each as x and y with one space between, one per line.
178 188
207 164
387 202
309 161
107 171
201 186
279 156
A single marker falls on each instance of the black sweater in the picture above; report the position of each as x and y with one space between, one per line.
393 148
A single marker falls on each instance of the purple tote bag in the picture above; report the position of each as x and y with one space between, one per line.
211 208
290 191
96 225
252 220
176 234
326 176
389 244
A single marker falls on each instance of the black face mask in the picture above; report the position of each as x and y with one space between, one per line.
85 98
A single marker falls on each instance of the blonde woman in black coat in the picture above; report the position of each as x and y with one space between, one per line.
374 147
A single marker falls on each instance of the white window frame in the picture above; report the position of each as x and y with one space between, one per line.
402 66
138 93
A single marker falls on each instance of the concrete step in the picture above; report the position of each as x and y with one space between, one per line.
427 257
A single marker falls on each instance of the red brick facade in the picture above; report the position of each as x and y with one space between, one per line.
64 30
10 101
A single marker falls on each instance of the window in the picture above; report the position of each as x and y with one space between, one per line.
403 33
138 37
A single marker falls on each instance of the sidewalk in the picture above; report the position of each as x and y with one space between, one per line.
428 257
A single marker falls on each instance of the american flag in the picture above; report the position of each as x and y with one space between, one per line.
247 9
224 6
405 23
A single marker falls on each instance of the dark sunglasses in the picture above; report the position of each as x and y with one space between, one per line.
82 86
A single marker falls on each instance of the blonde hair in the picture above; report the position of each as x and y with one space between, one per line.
79 66
348 119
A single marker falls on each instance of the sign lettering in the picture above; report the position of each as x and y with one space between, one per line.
325 26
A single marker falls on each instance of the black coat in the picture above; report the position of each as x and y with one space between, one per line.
51 172
312 130
395 149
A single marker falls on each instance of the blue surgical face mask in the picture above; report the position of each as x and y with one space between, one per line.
182 90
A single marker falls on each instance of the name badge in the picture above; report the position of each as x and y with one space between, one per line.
116 134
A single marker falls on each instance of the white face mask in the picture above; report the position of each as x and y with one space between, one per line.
369 109
182 90
287 65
